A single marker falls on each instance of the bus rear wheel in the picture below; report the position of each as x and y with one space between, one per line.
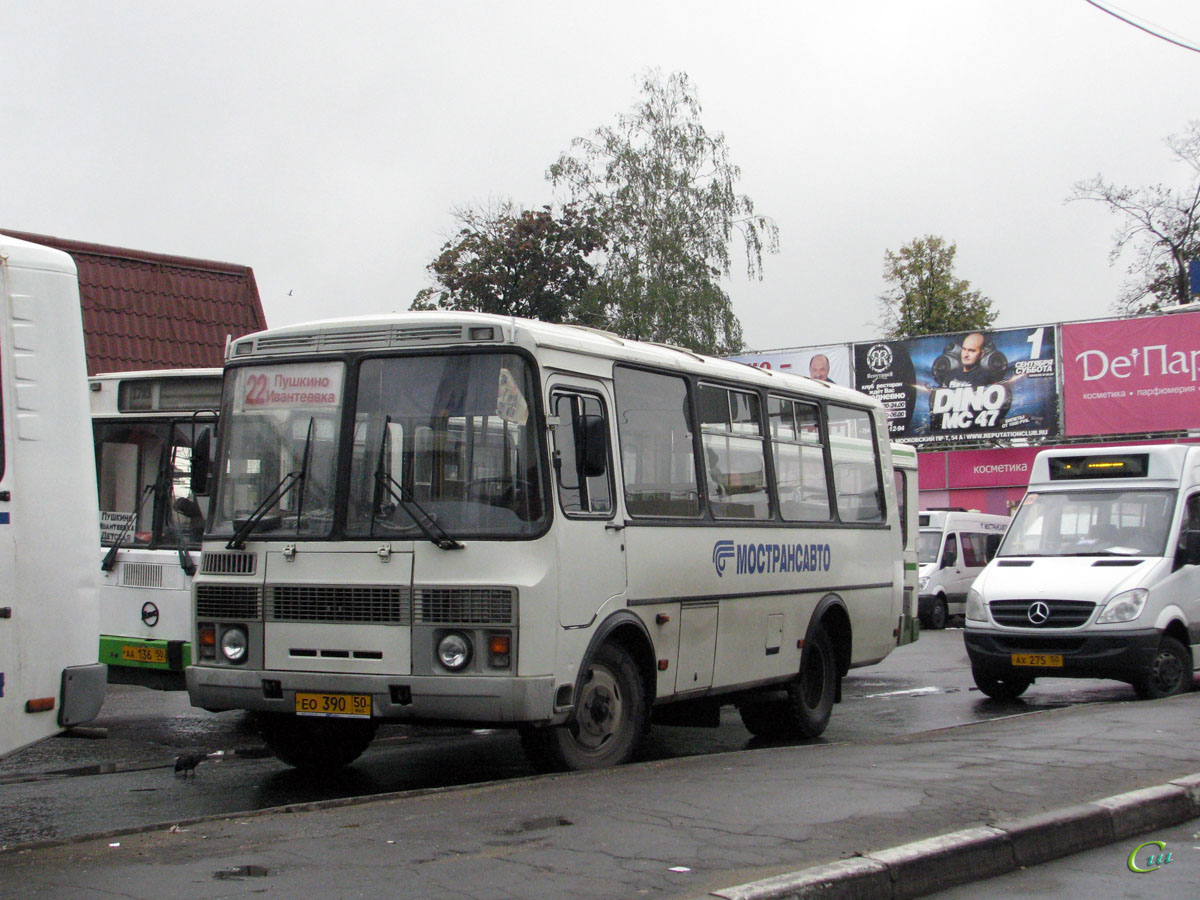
315 745
608 723
807 704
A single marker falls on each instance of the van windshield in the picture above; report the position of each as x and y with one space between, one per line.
927 550
1091 523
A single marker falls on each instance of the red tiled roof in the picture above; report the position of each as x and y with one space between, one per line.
149 311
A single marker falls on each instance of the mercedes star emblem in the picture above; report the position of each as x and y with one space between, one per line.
1038 613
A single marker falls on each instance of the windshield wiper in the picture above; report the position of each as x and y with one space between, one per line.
110 558
421 518
289 481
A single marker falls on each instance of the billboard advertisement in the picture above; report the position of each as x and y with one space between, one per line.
1132 375
830 362
968 386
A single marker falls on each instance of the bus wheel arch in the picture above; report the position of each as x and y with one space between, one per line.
614 692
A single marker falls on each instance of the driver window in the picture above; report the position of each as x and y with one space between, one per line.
950 551
579 494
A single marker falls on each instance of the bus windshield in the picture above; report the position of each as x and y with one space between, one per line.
1091 523
441 445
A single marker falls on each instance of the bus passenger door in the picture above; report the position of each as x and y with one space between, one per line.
590 543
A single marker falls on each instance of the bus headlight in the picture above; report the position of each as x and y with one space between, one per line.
1124 607
234 644
976 611
454 651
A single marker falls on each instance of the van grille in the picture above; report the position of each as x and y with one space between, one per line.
228 601
1062 613
231 562
383 605
465 606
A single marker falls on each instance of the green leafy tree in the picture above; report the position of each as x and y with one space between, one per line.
525 262
665 193
925 296
1159 225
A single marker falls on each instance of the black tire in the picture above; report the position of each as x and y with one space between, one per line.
315 745
608 724
767 719
1169 672
938 616
805 708
1008 688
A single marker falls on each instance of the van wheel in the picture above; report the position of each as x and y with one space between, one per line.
315 745
1009 688
608 723
1169 672
938 615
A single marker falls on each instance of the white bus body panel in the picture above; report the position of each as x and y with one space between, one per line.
48 527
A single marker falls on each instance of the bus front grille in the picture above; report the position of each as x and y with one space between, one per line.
226 601
464 606
147 575
232 562
1041 613
367 604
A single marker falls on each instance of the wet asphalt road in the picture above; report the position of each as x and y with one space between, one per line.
119 772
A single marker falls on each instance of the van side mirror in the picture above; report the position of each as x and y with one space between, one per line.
591 446
201 452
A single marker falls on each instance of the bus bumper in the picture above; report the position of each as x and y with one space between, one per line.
474 699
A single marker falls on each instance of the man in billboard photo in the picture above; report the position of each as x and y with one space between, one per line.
818 368
969 393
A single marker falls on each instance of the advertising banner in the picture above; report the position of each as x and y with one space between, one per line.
964 387
830 362
1132 375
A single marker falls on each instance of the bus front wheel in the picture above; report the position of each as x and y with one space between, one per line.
608 723
315 745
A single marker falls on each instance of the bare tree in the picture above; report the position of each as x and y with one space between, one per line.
1160 225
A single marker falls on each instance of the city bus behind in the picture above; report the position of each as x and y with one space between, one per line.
148 428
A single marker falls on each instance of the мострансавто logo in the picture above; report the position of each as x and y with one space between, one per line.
763 559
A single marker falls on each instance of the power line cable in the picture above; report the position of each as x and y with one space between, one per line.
1140 27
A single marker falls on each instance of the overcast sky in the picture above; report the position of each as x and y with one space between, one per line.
325 144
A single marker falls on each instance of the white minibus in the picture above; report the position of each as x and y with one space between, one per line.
1098 575
471 519
955 545
148 428
50 677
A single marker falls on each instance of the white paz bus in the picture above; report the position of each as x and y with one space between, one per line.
461 518
49 674
153 435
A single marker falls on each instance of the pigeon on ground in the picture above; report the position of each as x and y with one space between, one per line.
187 763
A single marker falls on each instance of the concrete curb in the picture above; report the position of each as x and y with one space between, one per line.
938 863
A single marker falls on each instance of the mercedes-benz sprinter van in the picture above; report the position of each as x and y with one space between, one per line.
1097 577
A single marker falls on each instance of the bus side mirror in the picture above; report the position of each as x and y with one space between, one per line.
200 464
591 446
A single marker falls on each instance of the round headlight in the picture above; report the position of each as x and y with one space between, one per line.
454 651
234 644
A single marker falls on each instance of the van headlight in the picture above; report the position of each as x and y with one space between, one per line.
454 651
1124 607
976 611
922 582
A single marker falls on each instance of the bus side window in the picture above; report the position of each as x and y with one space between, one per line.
580 440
